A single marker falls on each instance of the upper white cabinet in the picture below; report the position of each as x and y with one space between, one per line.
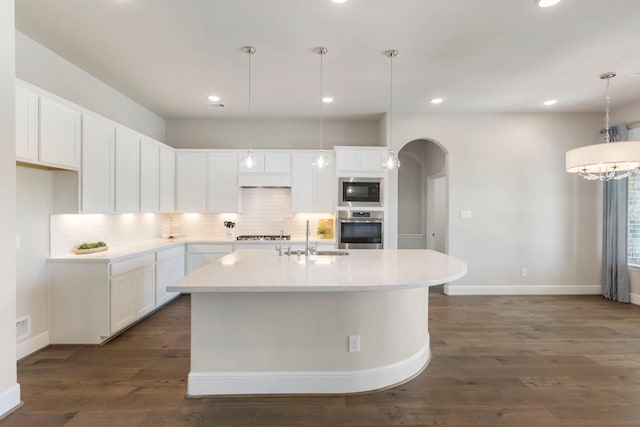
127 171
191 181
167 179
149 175
26 124
312 190
273 170
59 134
47 129
360 160
223 194
97 171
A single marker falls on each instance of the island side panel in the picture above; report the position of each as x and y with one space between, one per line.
307 332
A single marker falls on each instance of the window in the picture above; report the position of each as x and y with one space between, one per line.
633 233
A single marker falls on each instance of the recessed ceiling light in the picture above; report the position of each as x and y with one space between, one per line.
436 100
213 98
546 3
635 74
550 102
327 99
338 1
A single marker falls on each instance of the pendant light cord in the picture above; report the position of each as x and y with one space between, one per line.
322 52
390 100
607 110
250 52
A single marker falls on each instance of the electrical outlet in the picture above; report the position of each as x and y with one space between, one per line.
525 273
354 343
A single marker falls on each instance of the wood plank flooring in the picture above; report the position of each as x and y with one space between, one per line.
497 361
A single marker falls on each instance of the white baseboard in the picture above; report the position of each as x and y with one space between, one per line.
452 289
320 382
9 399
28 346
634 299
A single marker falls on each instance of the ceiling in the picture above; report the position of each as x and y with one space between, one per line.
480 55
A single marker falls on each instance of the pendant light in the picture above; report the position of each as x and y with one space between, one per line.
390 161
608 160
320 159
249 161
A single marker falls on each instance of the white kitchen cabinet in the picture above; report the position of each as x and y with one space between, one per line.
26 125
273 170
97 172
167 179
149 175
191 181
312 190
59 130
170 265
360 161
91 300
127 171
201 254
132 286
223 194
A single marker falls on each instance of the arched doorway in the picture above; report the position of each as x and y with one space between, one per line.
422 196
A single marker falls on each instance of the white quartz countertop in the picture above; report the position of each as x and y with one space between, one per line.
361 270
123 252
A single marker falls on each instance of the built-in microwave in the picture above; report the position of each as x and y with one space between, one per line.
360 192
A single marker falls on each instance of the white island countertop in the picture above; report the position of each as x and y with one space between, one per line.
361 270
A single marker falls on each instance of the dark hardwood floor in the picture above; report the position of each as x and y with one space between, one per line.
497 361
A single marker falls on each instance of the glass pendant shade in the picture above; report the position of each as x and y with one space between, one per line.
249 161
605 161
390 161
320 160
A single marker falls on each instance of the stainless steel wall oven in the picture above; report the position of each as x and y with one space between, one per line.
360 229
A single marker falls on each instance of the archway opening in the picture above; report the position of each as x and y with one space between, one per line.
422 196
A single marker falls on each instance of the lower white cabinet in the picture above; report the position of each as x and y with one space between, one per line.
91 300
133 289
169 268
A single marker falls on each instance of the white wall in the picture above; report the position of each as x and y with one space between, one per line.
42 67
33 199
9 388
277 133
508 169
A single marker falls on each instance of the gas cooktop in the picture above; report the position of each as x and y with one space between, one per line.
263 237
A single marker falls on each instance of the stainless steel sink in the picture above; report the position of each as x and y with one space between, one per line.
331 252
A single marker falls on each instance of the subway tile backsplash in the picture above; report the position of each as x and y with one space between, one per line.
264 211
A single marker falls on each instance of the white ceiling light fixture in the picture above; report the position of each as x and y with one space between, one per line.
213 98
320 159
327 100
390 161
339 1
547 3
549 102
437 100
249 161
608 160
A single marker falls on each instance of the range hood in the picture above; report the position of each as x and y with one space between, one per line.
264 180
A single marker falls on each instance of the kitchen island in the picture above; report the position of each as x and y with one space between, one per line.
268 324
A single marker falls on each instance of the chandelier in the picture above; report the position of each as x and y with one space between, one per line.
608 160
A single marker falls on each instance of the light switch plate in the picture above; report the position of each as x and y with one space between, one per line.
465 214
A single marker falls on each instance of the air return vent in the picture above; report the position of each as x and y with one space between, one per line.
23 327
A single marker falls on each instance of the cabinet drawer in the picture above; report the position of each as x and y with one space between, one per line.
165 254
209 249
133 264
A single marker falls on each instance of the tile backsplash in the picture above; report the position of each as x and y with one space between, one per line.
264 211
